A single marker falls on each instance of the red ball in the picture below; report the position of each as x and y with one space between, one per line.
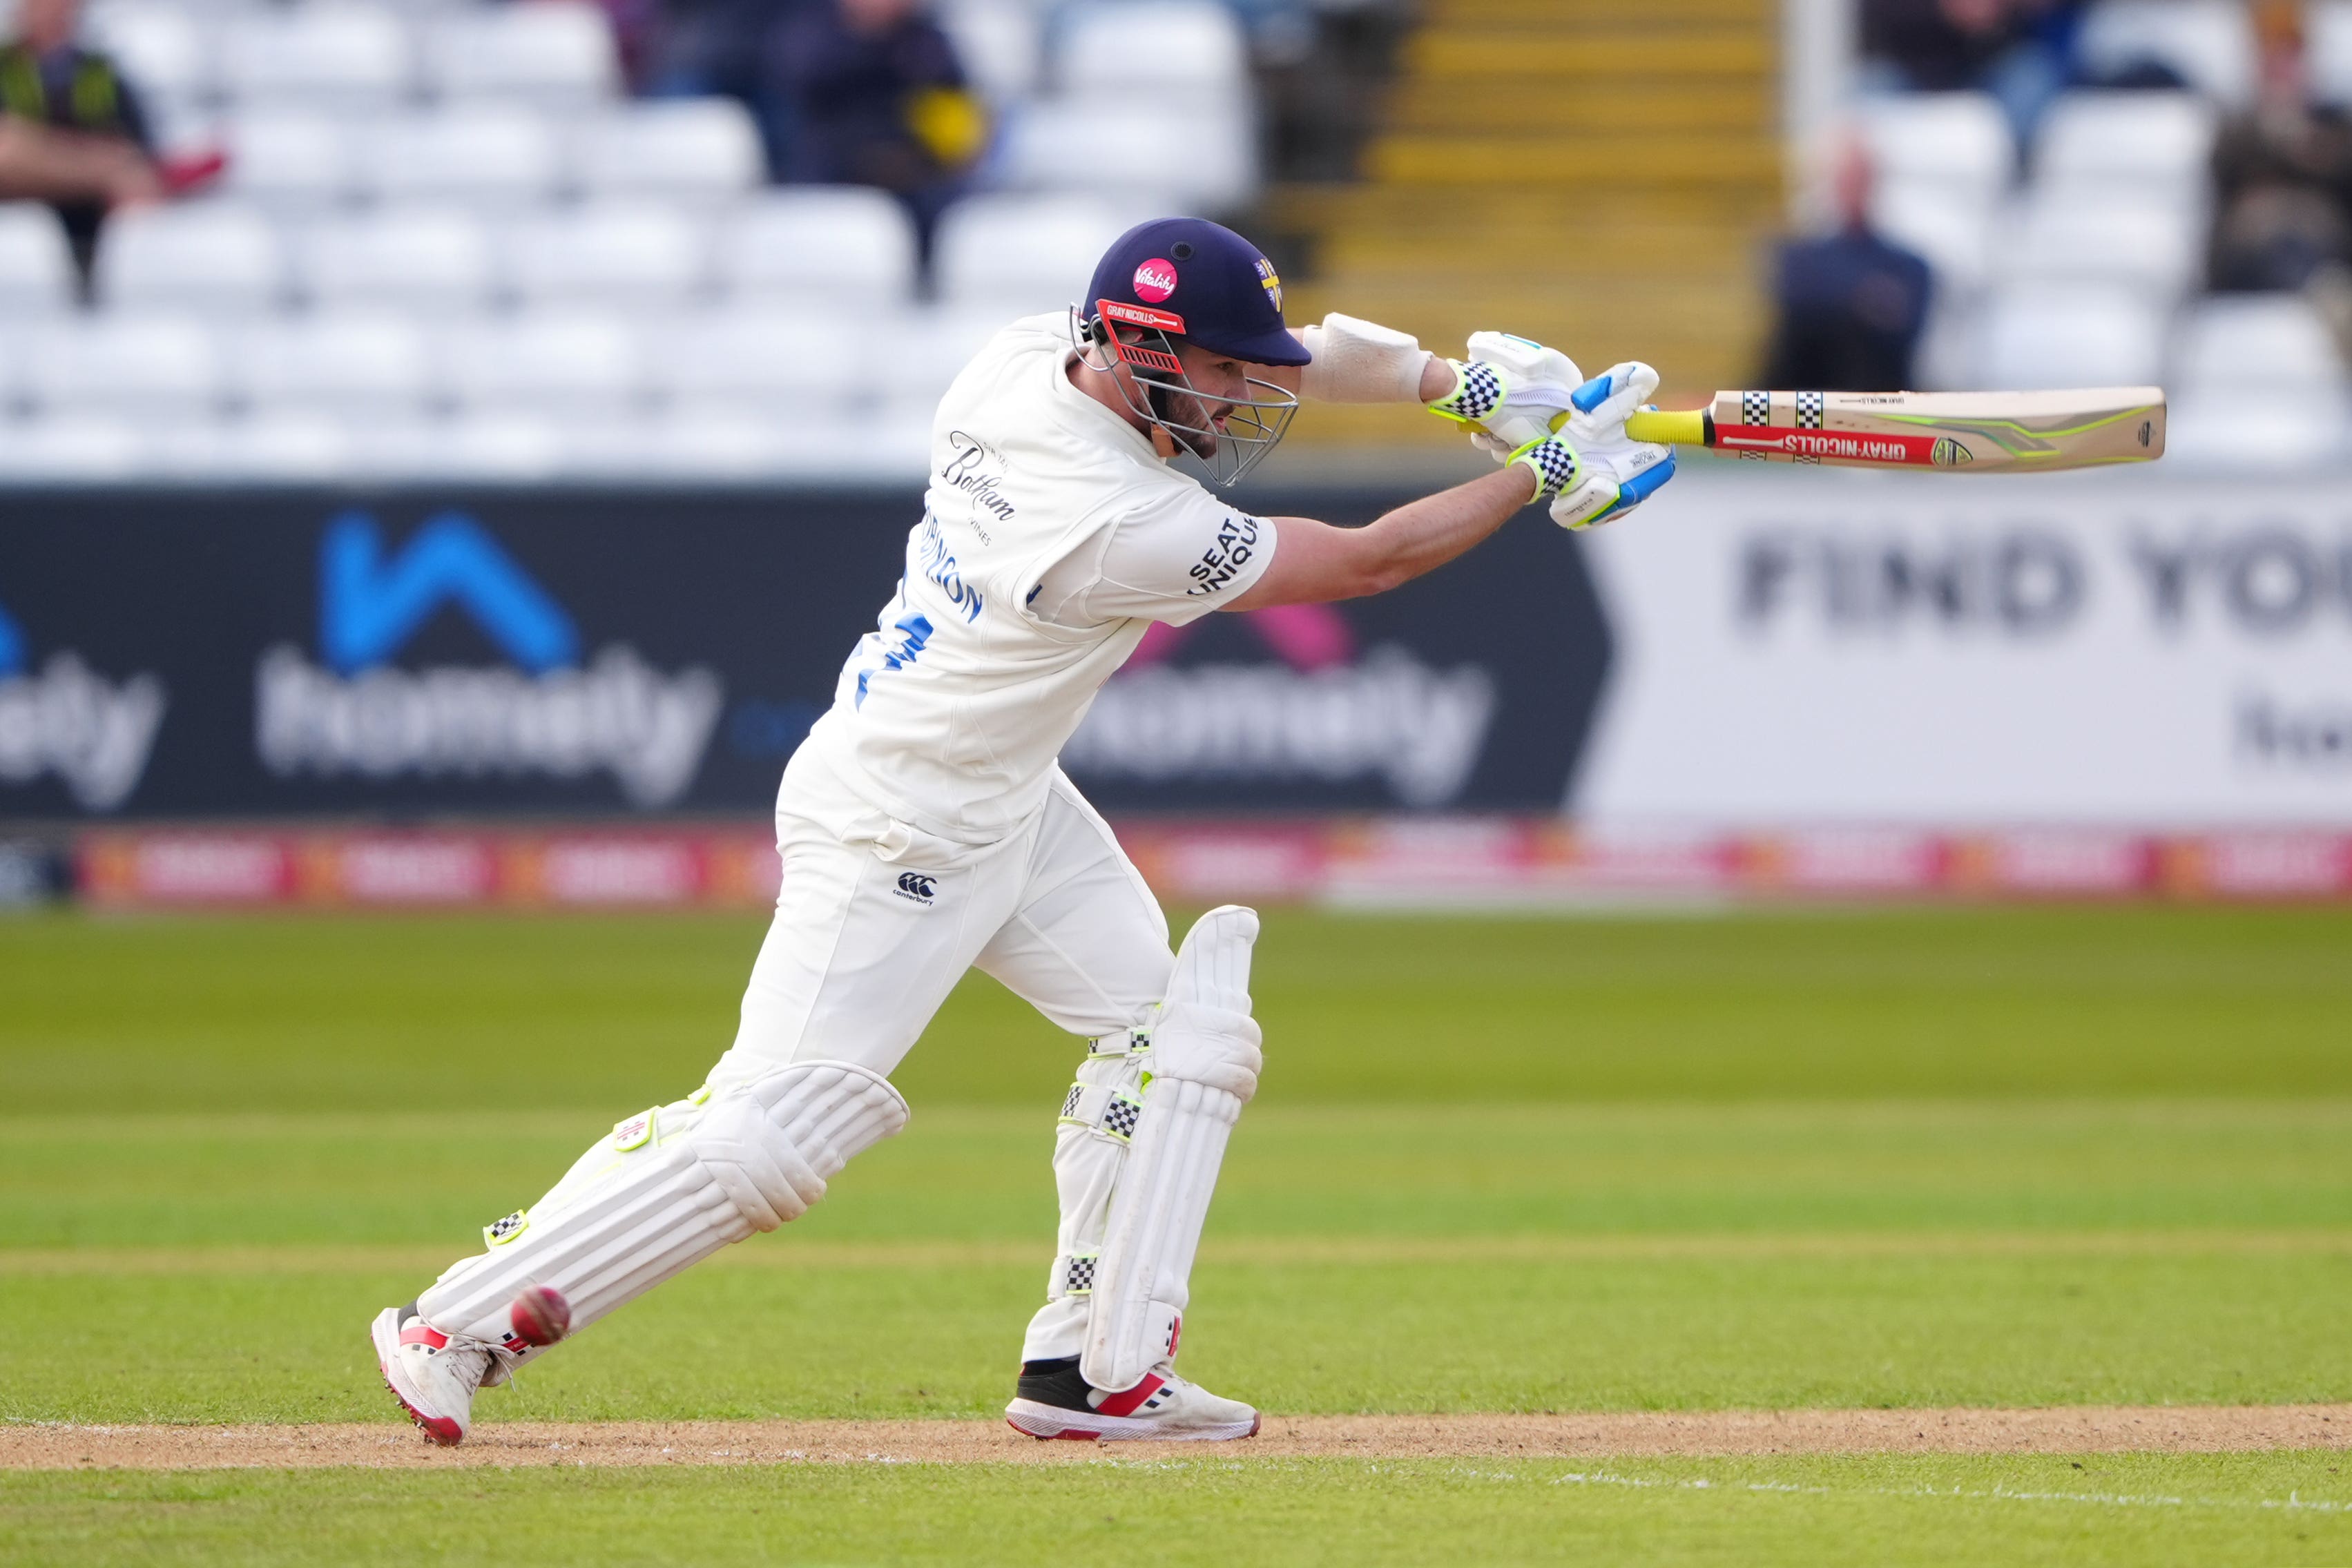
541 1315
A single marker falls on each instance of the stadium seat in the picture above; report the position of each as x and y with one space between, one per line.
293 162
556 54
504 448
2104 235
1957 143
2159 141
2265 343
2081 336
838 246
1022 254
419 258
216 256
772 360
340 55
1091 144
566 363
291 446
999 43
73 449
356 364
703 149
2208 43
498 159
1952 234
160 48
1124 46
937 342
2328 50
629 255
2226 433
137 365
36 268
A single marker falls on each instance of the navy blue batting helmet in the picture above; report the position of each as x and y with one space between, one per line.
1220 287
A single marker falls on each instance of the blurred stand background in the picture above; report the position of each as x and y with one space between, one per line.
440 442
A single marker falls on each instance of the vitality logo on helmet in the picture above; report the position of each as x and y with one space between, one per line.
69 722
549 712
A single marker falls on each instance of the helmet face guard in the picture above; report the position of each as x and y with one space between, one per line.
1254 423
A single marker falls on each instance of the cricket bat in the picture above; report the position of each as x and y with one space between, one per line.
1974 433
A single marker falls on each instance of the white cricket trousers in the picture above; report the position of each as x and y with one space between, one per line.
876 922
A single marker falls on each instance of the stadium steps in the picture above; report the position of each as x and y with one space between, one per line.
1601 174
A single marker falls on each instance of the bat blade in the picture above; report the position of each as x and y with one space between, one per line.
1963 432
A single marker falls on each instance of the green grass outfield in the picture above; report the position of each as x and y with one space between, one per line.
1829 1159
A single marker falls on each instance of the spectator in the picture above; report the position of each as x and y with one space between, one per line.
2021 51
81 139
875 96
1852 304
2283 175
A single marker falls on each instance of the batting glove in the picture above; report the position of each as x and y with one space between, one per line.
1615 474
1510 392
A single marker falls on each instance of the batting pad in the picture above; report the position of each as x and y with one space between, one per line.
668 1188
1204 1065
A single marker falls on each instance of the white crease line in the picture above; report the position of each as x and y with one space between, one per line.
2293 1501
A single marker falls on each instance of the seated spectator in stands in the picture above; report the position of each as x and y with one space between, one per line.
2021 51
96 151
877 97
1851 303
2283 175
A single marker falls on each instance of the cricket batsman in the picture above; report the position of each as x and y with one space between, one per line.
925 827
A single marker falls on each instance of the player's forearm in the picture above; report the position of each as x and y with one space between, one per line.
1315 563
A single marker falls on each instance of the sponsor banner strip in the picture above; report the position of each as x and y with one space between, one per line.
1403 861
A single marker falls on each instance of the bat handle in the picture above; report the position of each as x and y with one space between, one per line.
1674 427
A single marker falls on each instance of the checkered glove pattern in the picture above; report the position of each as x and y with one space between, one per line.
1553 463
1479 390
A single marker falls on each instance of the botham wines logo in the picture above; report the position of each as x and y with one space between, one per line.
68 721
550 712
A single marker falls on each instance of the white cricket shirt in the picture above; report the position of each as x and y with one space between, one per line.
1052 537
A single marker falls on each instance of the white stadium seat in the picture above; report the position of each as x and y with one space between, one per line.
2072 236
2083 336
208 256
574 363
2273 345
2228 431
1958 142
504 448
160 48
489 157
420 258
773 360
631 254
703 148
2328 45
341 55
1952 235
935 344
2208 43
136 365
36 268
73 449
359 364
1126 148
273 448
555 53
289 160
1022 254
2159 141
826 244
1000 44
1194 47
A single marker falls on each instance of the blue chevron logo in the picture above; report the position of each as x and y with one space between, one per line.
369 604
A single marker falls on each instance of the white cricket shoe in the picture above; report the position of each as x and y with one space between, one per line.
433 1376
1054 1400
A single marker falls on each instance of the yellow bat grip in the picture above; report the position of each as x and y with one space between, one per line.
1676 427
